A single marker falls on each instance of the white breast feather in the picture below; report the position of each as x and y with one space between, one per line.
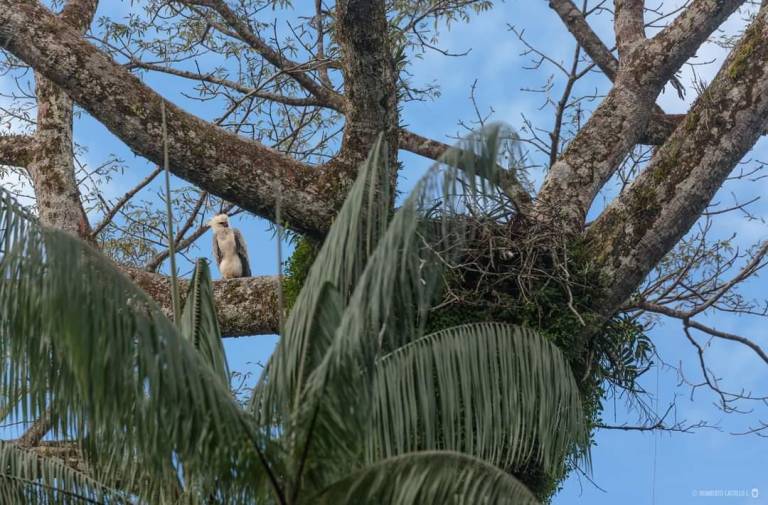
230 265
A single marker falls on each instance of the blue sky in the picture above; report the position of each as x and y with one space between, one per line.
631 467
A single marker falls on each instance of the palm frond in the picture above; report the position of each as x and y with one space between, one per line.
26 477
199 323
399 283
424 478
499 392
84 340
339 263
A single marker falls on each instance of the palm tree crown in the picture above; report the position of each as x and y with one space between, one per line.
356 405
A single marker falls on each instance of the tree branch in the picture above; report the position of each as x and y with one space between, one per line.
433 149
685 317
370 78
124 200
666 199
661 125
183 243
246 90
238 170
79 13
245 306
295 70
574 20
35 433
676 43
616 126
52 169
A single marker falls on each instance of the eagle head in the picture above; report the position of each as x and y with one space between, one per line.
219 221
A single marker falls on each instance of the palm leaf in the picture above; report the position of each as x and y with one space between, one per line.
84 340
339 263
424 478
199 323
26 477
499 392
400 281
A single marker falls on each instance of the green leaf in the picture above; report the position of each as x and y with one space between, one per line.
86 342
26 477
400 281
499 392
339 263
199 324
424 478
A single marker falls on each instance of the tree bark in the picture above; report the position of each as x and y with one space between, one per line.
16 150
617 124
661 125
666 199
629 24
245 306
52 164
50 161
370 79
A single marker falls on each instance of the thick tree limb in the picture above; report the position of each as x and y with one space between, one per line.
52 167
408 141
241 171
16 150
680 40
661 125
628 24
35 433
370 78
617 124
66 450
245 306
79 13
661 205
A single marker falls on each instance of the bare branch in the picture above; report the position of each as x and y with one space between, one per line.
433 149
123 200
295 70
685 317
659 423
251 92
182 242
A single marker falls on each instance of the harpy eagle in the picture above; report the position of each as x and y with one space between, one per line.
229 248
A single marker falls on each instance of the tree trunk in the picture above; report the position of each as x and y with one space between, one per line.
52 164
